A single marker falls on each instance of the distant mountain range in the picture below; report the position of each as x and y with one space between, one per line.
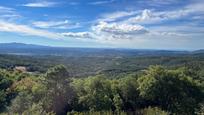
30 49
20 45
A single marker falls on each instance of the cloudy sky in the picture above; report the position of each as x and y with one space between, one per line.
141 24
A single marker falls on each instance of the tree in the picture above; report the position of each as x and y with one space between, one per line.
58 93
37 109
5 83
29 90
21 103
170 89
126 94
154 111
94 93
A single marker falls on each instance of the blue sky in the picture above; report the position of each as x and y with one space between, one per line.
141 24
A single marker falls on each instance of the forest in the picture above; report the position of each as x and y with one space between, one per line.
161 85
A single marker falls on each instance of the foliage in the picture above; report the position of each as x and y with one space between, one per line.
200 110
5 83
98 113
94 92
178 90
111 66
37 109
170 89
154 111
21 103
126 95
59 93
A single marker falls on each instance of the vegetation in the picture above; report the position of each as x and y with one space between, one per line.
111 66
175 87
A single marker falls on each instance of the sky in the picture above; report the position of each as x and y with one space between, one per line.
138 24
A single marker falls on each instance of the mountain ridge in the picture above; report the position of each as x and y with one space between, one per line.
32 49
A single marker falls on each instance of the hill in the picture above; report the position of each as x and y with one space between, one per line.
30 49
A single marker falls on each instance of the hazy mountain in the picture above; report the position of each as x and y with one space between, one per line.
30 49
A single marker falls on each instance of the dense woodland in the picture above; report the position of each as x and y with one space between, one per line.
143 85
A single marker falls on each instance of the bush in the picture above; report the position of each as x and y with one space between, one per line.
154 111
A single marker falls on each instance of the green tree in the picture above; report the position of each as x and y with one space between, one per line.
154 111
5 83
59 93
30 90
21 103
126 93
36 109
170 89
94 93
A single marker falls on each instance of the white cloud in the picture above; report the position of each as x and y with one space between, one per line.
108 32
8 13
116 15
186 30
26 30
40 4
130 25
104 31
152 16
196 7
157 2
29 31
126 25
145 15
149 16
79 35
101 2
56 24
10 16
6 9
119 28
